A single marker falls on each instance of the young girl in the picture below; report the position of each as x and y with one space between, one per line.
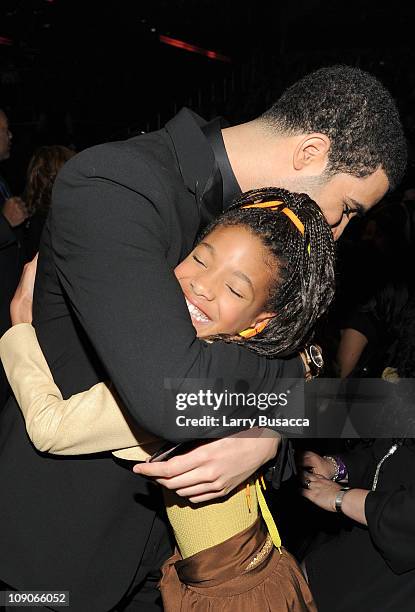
261 275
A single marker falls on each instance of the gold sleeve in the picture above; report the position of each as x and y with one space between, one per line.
92 421
88 422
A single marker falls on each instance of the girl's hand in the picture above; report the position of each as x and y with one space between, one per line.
21 304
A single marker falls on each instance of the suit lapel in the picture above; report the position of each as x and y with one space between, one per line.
197 164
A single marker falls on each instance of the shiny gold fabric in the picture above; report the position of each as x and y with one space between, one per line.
217 579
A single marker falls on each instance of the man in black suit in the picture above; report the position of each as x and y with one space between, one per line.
107 306
12 214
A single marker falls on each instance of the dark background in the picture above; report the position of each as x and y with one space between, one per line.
79 72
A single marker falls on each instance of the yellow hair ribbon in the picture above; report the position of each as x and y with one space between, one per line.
250 332
267 516
271 204
293 217
274 206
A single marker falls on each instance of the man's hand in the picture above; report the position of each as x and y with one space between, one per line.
14 209
22 302
311 462
214 469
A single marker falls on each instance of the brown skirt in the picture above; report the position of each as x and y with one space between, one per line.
245 574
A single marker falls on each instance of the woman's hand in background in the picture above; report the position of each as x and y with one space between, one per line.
315 464
322 492
22 302
319 490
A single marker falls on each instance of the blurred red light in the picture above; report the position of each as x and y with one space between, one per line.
180 44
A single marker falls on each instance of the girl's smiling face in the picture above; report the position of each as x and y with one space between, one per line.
226 281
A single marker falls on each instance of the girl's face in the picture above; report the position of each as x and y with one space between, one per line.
226 281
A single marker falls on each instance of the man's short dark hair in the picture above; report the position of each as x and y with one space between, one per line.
355 111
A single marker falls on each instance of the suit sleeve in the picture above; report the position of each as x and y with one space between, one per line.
390 519
361 465
109 244
88 422
6 233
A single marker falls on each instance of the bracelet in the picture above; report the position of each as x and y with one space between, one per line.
338 500
340 469
336 466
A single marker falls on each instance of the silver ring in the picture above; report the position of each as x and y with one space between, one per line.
307 483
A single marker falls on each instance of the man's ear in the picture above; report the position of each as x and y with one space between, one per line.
312 150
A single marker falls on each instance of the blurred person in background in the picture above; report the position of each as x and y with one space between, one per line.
42 170
370 563
369 332
12 214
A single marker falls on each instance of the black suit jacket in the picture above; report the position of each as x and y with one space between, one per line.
10 270
107 305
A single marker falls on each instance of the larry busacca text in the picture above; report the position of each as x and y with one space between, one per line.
260 421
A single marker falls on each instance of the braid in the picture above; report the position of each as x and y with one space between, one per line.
304 267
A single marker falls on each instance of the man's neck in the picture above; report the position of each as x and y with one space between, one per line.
256 155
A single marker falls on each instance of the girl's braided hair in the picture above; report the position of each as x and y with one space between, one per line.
305 277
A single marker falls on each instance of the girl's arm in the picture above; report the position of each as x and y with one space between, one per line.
351 347
88 422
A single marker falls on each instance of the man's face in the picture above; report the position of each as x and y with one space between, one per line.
343 196
5 137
